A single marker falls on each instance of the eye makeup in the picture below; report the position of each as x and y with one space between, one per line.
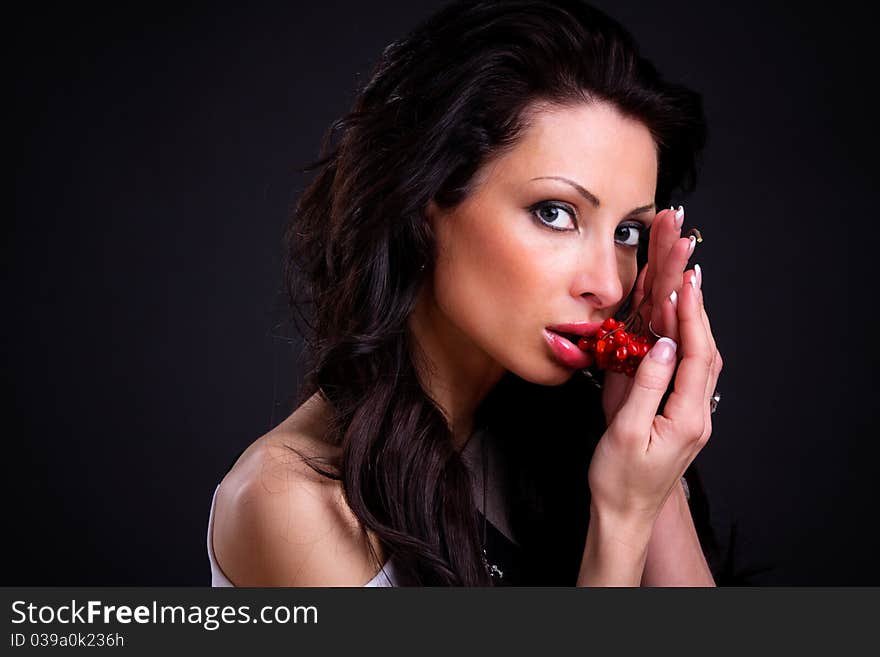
539 211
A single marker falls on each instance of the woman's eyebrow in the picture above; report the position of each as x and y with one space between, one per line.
592 198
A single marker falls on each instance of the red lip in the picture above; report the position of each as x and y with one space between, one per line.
565 351
577 328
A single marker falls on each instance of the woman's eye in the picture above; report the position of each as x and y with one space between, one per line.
551 213
629 234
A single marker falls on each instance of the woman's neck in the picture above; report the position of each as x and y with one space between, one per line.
454 371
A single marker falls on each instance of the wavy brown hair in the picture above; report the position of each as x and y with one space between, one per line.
441 102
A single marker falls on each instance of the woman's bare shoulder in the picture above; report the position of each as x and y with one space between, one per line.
277 522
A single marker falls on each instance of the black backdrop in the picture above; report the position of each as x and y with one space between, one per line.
155 154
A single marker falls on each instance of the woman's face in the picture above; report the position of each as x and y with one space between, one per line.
548 237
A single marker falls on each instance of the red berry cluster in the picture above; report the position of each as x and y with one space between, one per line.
613 348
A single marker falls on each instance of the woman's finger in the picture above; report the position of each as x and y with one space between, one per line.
664 319
664 231
667 324
669 279
634 419
713 347
639 288
699 273
685 407
715 370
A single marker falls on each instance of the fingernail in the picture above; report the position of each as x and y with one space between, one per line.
674 299
693 281
693 244
699 275
664 350
679 216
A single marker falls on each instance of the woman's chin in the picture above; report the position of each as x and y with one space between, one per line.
550 374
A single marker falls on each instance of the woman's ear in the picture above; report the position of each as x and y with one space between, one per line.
433 214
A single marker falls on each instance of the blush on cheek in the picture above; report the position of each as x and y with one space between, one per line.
482 293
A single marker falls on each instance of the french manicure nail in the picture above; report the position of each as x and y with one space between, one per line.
693 244
679 216
699 275
663 350
693 281
674 299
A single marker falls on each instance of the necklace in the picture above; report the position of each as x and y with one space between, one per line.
494 571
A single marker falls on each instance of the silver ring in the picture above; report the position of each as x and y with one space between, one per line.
713 401
653 332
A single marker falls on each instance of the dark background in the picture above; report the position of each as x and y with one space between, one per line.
155 154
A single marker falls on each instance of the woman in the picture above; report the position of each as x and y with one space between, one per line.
497 177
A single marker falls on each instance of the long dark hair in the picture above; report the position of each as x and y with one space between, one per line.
440 103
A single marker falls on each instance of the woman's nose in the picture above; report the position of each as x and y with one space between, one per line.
598 278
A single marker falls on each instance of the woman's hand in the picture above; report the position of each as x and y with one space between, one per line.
668 254
642 455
